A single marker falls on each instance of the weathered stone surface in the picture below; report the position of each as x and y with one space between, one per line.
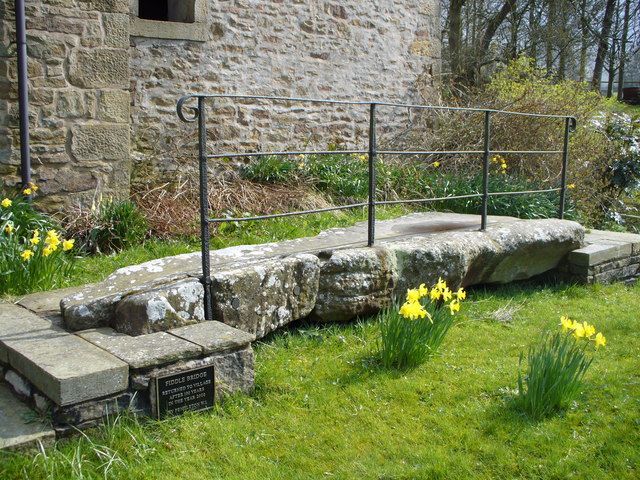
46 302
260 298
21 386
214 337
116 29
15 430
354 282
99 68
62 366
597 253
100 142
144 351
92 307
113 106
160 309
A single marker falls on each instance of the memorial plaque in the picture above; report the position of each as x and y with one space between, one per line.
188 391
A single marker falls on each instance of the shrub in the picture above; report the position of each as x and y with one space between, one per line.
413 332
556 367
33 254
112 226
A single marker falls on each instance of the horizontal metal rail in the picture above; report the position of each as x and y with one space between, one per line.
286 214
197 113
381 152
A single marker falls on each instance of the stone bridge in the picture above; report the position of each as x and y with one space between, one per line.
84 353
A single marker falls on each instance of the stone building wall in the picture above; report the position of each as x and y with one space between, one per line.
103 85
348 49
79 100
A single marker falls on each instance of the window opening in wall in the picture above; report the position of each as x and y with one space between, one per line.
182 11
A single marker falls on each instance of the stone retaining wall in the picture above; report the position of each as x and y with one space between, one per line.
98 72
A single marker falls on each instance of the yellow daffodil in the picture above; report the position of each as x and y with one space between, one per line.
441 285
571 186
26 255
436 164
413 311
589 330
48 250
461 294
447 294
52 238
503 166
8 229
6 203
600 340
27 191
567 323
363 158
435 294
578 330
33 187
413 295
68 244
35 239
423 290
454 306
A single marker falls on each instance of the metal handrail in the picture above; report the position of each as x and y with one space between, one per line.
198 114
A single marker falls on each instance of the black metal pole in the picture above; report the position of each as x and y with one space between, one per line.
565 165
485 169
371 237
204 209
23 92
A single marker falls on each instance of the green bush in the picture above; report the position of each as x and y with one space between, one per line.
33 254
414 332
556 367
117 225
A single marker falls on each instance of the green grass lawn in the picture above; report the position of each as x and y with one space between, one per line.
324 409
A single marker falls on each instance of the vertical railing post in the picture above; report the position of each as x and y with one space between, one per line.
485 169
204 208
371 232
565 164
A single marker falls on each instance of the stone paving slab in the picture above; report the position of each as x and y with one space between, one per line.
214 337
19 428
63 366
47 302
143 351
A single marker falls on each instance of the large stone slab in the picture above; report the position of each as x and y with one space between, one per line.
160 309
19 427
354 282
144 351
63 366
261 297
254 287
214 337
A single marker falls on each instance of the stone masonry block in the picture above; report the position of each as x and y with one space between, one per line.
160 309
116 30
99 68
64 367
113 106
100 142
108 6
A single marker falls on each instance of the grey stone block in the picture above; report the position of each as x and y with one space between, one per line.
214 337
46 302
161 309
99 68
100 142
62 366
20 385
144 351
15 432
595 254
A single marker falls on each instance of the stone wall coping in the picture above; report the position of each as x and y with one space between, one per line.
42 353
143 351
214 336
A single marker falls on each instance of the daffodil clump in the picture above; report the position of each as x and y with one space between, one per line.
501 162
556 367
413 332
33 253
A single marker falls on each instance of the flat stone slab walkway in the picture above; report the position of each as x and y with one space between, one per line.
19 425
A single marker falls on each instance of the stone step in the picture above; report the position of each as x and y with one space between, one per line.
20 426
63 366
